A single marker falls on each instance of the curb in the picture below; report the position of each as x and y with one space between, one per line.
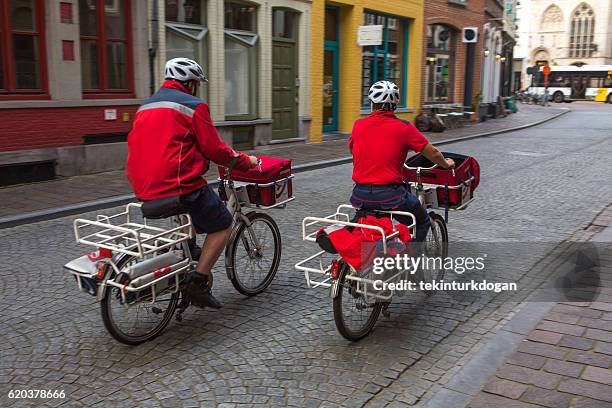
107 202
470 379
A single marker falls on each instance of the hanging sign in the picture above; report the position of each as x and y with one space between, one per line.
370 35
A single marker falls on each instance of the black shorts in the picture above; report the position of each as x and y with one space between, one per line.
208 212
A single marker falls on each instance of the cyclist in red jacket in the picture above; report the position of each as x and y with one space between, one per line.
380 144
170 147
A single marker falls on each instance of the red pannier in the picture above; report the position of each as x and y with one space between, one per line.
270 186
454 190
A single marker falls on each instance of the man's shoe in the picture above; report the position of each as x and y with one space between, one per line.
199 291
194 249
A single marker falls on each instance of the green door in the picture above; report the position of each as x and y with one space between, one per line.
284 92
330 70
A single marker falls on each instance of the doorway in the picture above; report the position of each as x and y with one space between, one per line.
330 70
284 74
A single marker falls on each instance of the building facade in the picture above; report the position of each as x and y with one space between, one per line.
342 70
468 51
72 74
256 55
565 32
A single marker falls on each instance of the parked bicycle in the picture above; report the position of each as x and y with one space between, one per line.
357 297
141 268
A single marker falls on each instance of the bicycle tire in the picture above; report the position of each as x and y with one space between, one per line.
232 249
113 329
343 329
436 221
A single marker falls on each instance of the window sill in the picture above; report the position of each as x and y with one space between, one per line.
24 96
29 104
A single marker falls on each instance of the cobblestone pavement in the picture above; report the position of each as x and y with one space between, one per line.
566 360
281 348
65 191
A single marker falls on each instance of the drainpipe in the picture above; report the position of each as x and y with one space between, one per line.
154 44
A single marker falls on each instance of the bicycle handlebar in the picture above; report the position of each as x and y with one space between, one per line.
435 166
421 168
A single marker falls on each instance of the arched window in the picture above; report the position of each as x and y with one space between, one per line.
551 19
582 31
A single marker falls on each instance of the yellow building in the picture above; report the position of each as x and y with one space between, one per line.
342 70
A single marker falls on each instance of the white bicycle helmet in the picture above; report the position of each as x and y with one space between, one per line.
384 92
184 69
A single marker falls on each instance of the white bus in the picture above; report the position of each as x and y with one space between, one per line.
573 83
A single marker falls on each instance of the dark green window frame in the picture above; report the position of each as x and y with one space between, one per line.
382 51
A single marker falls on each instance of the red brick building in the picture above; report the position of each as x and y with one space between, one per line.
72 74
460 54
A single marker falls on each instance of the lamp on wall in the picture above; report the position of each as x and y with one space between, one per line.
486 52
503 59
497 57
431 60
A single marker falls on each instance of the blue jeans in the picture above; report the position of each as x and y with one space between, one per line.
392 197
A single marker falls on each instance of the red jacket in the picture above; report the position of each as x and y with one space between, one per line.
380 143
171 144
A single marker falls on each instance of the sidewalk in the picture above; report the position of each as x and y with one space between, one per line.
566 360
72 190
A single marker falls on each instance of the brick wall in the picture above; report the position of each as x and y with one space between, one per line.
456 17
54 127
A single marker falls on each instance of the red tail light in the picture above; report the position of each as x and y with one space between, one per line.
335 269
105 253
102 269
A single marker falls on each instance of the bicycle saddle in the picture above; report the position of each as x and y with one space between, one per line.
163 207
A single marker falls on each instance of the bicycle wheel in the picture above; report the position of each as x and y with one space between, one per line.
355 318
435 245
253 254
141 320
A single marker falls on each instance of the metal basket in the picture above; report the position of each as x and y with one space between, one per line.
317 268
121 233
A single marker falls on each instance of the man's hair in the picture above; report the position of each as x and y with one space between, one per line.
389 107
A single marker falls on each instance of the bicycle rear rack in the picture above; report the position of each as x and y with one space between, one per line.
120 233
317 270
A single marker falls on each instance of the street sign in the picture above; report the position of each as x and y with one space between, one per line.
370 35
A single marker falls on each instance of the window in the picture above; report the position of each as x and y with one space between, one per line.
440 64
185 11
22 54
552 19
240 16
388 60
105 46
582 31
240 60
284 24
186 33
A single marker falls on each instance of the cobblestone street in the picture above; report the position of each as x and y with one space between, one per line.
281 348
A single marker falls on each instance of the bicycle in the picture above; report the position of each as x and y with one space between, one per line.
356 301
141 270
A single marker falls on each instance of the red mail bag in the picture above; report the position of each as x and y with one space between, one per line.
267 187
453 189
